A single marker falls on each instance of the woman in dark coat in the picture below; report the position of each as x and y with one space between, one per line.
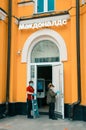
51 98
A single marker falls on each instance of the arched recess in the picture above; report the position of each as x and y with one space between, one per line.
43 35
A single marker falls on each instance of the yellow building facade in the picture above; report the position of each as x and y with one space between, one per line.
3 51
43 41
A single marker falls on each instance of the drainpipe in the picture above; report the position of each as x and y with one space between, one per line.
78 48
8 55
78 59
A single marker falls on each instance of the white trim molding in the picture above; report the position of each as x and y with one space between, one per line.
45 34
2 15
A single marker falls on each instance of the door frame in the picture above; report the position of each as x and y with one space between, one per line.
43 64
39 64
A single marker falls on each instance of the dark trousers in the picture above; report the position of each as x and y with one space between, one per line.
29 108
51 110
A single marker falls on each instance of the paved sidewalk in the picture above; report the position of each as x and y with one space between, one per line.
42 123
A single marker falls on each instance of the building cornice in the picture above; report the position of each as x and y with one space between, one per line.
44 15
44 21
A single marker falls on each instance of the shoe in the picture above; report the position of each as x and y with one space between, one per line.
30 117
54 118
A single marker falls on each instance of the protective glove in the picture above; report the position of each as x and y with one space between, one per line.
58 92
34 94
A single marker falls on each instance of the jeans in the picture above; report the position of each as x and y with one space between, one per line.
29 108
51 110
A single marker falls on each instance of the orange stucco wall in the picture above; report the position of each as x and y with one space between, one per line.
3 61
4 5
18 70
3 52
19 82
83 54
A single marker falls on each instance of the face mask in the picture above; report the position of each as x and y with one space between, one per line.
31 84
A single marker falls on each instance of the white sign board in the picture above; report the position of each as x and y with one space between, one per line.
43 22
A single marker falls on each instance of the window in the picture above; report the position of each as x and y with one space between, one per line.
50 5
44 6
45 51
40 6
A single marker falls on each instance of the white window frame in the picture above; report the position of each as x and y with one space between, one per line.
45 5
35 8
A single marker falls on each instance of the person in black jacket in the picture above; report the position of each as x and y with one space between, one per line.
51 101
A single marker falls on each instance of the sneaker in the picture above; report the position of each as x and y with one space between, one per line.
54 118
30 117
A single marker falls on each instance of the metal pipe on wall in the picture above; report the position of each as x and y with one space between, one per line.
8 55
78 48
78 59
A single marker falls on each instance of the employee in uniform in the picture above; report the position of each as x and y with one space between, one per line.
30 91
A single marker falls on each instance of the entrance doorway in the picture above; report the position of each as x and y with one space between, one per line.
39 74
44 73
45 67
46 47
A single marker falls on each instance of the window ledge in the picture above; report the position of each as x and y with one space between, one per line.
47 15
25 3
50 13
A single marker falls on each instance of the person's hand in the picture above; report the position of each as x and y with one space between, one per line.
58 92
34 94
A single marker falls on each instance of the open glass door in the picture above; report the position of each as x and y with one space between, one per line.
33 75
57 80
